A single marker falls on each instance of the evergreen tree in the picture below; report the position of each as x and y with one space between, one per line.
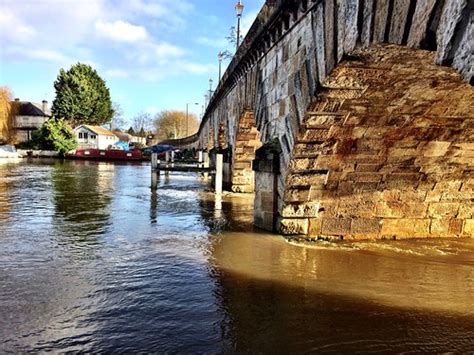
55 134
131 131
82 96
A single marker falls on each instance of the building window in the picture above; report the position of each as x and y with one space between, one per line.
80 135
92 136
85 135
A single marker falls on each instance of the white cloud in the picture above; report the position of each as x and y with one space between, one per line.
117 73
121 31
48 55
12 28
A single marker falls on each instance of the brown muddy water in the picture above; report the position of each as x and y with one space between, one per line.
93 260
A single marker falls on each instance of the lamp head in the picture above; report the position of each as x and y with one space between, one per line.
239 8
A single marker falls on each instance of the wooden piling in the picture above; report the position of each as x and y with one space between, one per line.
219 171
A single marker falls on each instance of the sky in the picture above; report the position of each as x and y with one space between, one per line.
153 54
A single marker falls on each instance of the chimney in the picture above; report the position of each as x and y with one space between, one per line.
45 106
17 99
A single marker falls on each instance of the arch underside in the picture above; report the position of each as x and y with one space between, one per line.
386 151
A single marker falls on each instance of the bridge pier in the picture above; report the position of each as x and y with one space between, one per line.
266 167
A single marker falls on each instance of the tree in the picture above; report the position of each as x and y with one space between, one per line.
173 124
55 134
82 96
131 131
6 115
142 123
117 122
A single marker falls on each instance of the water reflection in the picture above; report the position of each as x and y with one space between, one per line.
82 195
94 260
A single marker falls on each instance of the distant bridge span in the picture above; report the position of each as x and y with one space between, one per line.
351 119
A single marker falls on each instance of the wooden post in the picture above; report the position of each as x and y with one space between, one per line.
206 163
200 158
219 169
167 158
154 171
155 174
154 161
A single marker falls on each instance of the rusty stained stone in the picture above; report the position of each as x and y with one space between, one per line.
366 226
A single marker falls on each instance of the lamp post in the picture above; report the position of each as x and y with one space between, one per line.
187 108
220 56
239 7
210 90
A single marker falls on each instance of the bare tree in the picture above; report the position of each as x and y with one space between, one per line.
175 124
118 121
142 124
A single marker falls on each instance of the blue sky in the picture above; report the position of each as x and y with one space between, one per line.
154 54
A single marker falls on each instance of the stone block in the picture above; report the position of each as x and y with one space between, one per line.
414 209
305 209
364 177
366 226
242 188
468 229
336 226
316 180
439 227
389 209
436 149
356 207
455 227
443 209
297 194
406 227
293 226
466 210
315 135
315 225
367 167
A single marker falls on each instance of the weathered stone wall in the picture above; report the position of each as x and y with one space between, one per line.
387 150
247 142
279 73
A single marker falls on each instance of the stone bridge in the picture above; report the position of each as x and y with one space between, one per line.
351 118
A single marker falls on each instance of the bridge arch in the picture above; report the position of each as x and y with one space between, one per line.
385 151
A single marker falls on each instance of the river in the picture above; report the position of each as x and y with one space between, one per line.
91 259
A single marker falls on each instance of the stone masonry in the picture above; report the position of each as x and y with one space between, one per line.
386 151
246 143
379 87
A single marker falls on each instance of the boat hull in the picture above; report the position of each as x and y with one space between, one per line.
97 154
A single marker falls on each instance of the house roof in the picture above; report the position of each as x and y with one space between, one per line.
98 130
27 108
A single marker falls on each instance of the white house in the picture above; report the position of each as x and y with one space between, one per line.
94 137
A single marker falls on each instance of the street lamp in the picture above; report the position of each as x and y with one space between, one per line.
220 56
239 7
210 90
187 107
